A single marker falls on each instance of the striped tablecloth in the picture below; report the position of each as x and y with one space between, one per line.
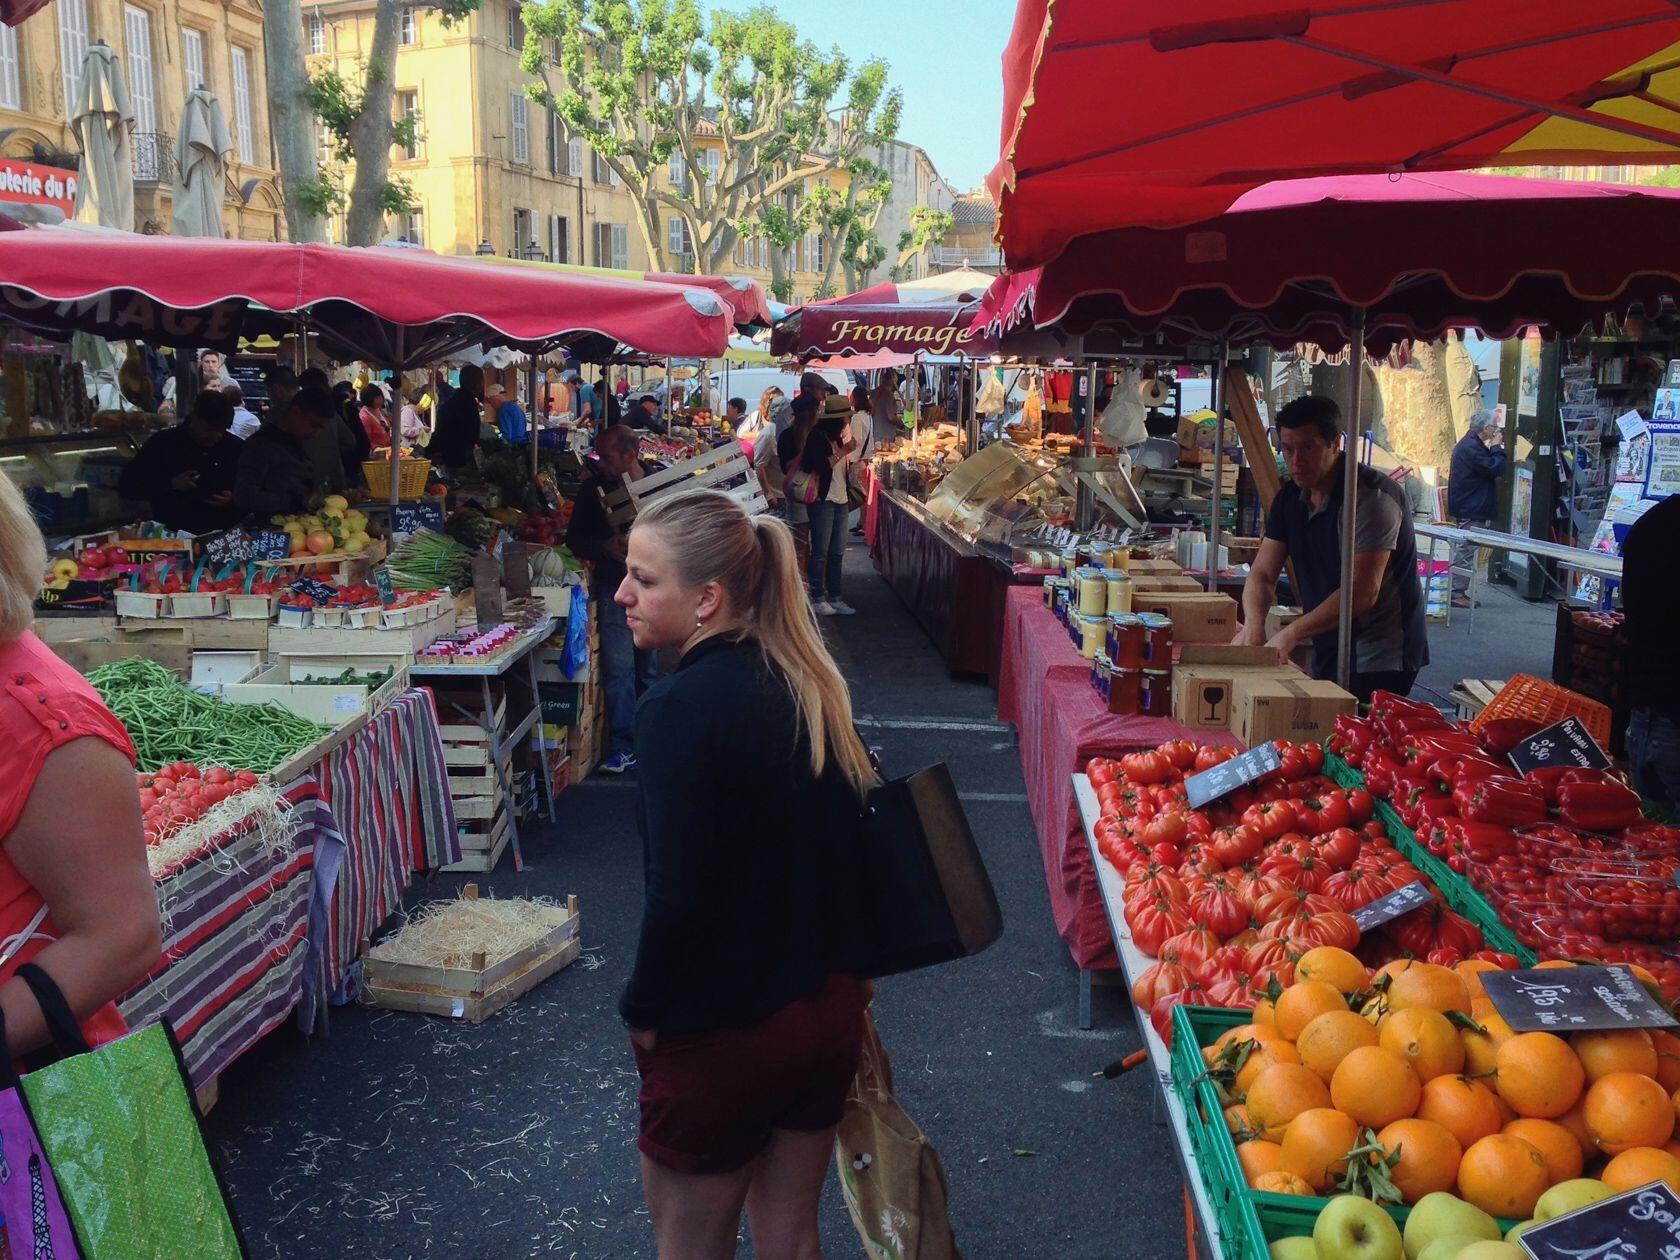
389 794
236 949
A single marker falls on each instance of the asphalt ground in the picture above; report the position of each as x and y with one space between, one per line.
400 1135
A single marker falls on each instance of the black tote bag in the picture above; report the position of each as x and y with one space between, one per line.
921 872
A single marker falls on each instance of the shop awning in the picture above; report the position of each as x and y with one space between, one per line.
843 329
1121 114
744 295
1419 254
944 287
399 308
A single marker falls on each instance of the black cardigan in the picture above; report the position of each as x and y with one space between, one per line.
752 895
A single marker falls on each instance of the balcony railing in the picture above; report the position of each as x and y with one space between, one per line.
154 157
962 256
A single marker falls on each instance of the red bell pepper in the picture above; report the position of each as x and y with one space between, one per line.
1380 770
1500 735
1502 799
1482 842
1548 779
1418 807
1598 806
1430 746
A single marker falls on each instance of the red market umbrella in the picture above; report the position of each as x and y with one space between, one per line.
1413 256
1119 114
14 11
744 296
400 308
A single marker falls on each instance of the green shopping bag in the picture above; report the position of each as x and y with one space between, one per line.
121 1130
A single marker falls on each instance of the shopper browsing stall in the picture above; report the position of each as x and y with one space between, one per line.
455 437
245 421
1651 602
186 473
828 454
626 670
376 422
745 1014
1478 461
276 475
75 890
1304 527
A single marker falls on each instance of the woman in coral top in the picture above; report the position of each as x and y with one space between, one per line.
76 896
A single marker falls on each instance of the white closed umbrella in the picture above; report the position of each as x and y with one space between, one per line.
103 121
201 149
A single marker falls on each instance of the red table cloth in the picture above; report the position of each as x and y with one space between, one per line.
1045 690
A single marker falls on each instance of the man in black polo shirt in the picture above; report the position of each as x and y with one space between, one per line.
1305 526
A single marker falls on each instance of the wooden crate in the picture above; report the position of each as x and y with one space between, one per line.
312 639
1472 695
483 841
724 468
472 993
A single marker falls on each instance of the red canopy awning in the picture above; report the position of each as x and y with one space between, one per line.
1151 112
1418 254
14 11
851 328
744 296
396 307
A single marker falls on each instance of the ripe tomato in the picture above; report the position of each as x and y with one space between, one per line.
1146 767
1209 757
1180 753
1166 829
1269 819
1339 848
1361 805
1232 846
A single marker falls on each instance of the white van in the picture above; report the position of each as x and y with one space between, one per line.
747 383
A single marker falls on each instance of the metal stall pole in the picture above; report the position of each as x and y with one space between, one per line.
1217 498
1085 508
1350 503
534 426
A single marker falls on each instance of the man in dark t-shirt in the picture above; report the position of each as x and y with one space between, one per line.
1651 600
1390 643
456 436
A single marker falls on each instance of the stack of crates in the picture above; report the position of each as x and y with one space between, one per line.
587 738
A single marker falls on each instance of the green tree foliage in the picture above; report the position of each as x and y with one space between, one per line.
928 227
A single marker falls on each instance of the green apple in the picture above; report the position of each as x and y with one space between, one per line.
1491 1250
1294 1249
1447 1247
1352 1228
1566 1196
1441 1215
1516 1230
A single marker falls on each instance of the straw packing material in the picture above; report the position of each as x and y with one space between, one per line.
451 933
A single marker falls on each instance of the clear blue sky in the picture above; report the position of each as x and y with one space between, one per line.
944 55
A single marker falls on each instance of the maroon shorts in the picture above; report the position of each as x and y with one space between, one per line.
710 1099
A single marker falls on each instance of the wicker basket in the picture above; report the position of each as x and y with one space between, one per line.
412 475
1526 696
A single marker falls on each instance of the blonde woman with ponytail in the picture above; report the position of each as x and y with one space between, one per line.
745 1016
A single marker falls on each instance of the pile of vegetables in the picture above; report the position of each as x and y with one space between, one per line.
470 527
170 722
427 560
180 793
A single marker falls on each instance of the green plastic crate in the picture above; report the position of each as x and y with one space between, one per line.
1341 773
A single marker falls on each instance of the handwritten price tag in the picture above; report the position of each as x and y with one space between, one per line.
1643 1224
1574 999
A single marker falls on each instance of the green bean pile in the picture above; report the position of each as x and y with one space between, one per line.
170 722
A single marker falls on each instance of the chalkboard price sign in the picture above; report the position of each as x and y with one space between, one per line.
230 546
1565 743
1574 999
406 518
320 592
382 584
1643 1224
1400 901
270 544
1230 775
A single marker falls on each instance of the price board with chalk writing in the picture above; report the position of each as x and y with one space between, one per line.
1574 999
270 544
1642 1224
320 592
1565 743
1400 901
1230 775
230 546
406 518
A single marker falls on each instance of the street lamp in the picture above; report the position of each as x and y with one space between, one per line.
484 247
534 251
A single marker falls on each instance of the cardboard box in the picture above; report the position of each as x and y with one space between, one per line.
1196 618
1178 583
1279 616
1155 568
1293 707
1204 681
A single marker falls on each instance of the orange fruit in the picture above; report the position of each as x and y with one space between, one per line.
1281 1182
1481 1049
1504 1176
1553 964
1336 967
1396 967
1245 1032
1264 1014
1672 1146
1303 1002
1375 1086
1464 1108
1236 1119
1556 1144
1667 1046
1257 1157
1282 1092
1264 1055
1641 1166
1624 1110
1316 1146
1616 1050
1470 971
1538 1075
1575 1120
1428 1160
1425 984
1426 1040
1331 1037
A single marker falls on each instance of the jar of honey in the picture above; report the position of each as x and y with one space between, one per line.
1155 693
1126 641
1119 591
1093 592
1092 631
1157 641
1123 688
